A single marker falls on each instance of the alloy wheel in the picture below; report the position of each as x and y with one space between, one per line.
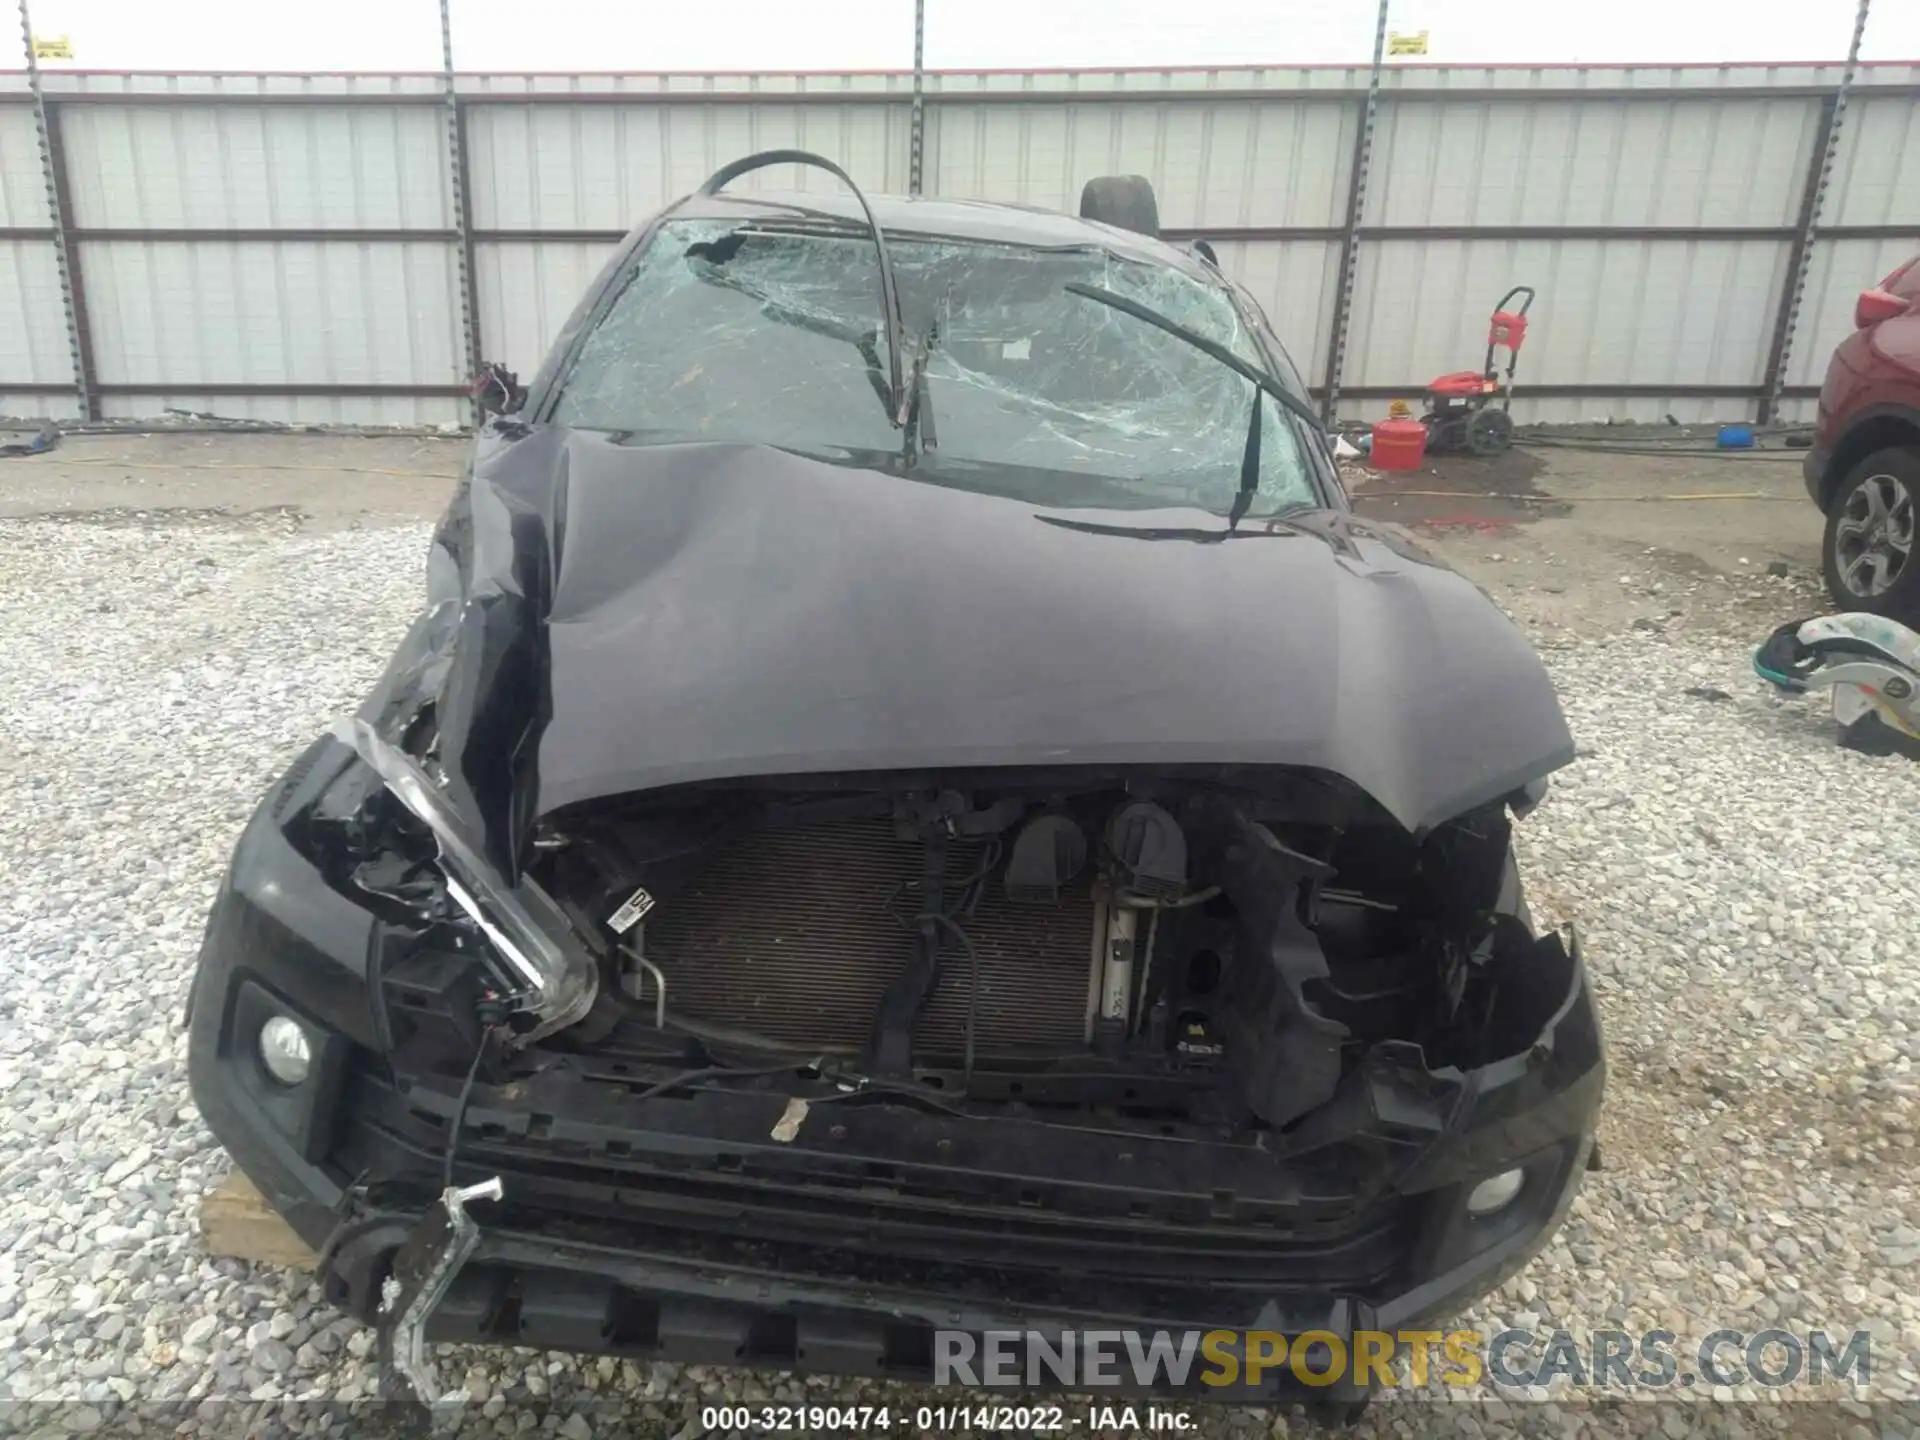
1873 539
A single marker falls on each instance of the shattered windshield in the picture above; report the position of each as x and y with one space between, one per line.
754 333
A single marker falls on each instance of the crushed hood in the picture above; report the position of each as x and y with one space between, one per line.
636 616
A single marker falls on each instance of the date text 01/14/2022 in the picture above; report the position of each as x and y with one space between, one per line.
934 1419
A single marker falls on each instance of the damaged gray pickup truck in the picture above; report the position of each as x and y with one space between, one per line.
912 805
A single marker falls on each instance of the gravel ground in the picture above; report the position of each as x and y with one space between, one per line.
1744 890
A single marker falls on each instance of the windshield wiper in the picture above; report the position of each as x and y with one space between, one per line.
1288 400
1249 466
1263 385
1274 527
712 255
916 419
890 321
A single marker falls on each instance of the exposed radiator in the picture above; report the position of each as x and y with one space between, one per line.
789 933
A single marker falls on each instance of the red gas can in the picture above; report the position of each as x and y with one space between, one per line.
1399 445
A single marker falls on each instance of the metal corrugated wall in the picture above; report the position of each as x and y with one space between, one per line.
169 313
33 329
1876 182
1676 300
287 246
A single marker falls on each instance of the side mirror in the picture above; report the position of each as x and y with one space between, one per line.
1873 306
497 390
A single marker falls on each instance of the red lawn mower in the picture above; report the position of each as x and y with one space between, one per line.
1461 413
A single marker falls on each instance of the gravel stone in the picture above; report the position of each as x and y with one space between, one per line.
1744 891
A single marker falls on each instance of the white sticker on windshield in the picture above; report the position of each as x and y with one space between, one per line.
1016 349
629 914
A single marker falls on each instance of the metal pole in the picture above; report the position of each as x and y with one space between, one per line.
1356 207
462 212
1833 114
72 302
917 136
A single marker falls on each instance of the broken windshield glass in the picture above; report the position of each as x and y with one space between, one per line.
768 335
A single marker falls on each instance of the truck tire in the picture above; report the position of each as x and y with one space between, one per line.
1871 553
1123 201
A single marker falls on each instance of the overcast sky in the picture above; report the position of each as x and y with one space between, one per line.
878 34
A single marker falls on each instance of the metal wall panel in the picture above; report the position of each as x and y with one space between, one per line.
1707 162
1609 311
295 409
526 293
1837 271
1227 163
856 84
177 314
224 85
1293 282
1147 82
607 167
1876 168
19 405
23 186
33 325
1678 407
257 167
1671 148
1523 80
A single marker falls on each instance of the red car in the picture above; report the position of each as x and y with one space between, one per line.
1864 469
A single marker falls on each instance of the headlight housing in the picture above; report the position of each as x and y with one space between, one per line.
556 981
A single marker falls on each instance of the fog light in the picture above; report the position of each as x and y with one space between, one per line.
285 1050
1496 1192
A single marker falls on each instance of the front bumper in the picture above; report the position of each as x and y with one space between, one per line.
632 1299
680 1229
